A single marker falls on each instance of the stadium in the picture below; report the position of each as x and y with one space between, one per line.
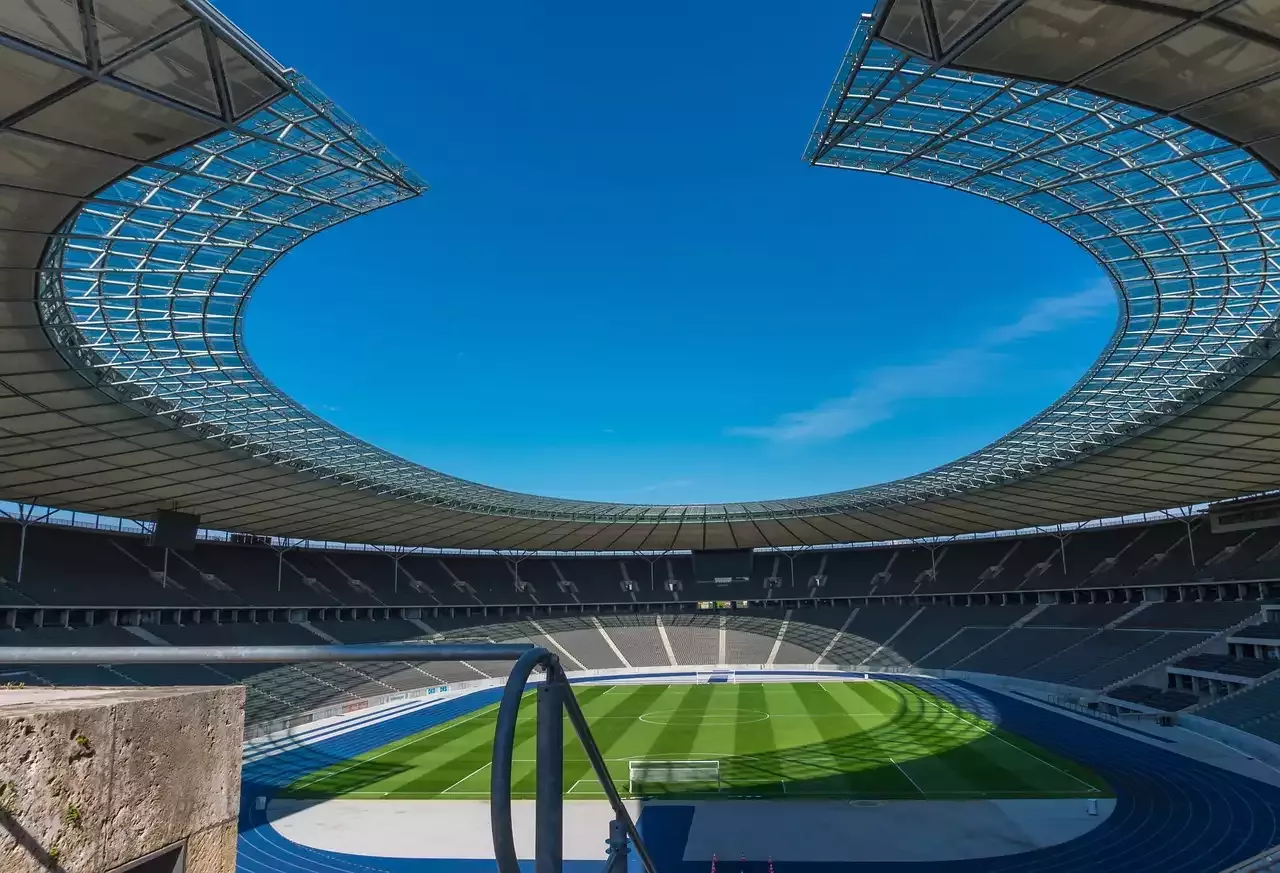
1056 653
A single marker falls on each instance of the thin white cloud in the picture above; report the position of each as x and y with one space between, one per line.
1051 313
885 390
878 398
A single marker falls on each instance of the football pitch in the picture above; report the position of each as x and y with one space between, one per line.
855 740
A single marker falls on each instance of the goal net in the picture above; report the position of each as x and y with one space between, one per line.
718 676
659 777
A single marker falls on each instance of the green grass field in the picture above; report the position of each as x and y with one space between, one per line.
869 740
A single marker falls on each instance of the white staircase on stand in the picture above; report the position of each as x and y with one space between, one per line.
777 644
666 643
613 647
840 633
867 660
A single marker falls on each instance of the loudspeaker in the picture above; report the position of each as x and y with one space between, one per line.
175 530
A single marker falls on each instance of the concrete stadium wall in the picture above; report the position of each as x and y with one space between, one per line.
94 779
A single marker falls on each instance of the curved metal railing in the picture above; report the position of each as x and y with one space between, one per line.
555 700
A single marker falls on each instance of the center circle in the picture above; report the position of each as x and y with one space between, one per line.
708 717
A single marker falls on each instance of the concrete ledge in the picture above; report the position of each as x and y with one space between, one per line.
93 778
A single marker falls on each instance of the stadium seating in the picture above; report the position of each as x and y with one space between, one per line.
695 639
1262 630
1247 668
1143 657
938 636
1100 648
1093 615
982 607
72 566
1256 710
937 624
355 632
583 645
637 638
1019 649
1154 698
965 642
1204 617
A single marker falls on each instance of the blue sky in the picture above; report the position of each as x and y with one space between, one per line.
625 284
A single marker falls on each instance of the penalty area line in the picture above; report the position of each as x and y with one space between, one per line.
468 776
909 779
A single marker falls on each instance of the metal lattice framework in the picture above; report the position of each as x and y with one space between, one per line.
1181 219
214 160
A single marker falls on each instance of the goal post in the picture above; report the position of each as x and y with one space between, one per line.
661 777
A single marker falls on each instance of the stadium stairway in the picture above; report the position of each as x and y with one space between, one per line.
1173 814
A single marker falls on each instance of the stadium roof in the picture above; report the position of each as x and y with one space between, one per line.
154 163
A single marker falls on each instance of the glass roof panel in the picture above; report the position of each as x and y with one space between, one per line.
103 117
249 86
904 24
53 25
1057 40
1196 63
177 69
122 25
27 80
957 17
1262 15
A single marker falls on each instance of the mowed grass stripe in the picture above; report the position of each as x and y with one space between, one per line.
475 781
854 739
524 766
678 733
751 739
857 764
610 717
1003 762
356 774
451 764
878 742
943 754
622 734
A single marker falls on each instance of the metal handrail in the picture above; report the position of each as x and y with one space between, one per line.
260 654
556 699
1266 860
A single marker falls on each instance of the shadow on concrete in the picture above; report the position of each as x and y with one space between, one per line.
44 857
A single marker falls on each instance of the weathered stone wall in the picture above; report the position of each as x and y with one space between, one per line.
92 778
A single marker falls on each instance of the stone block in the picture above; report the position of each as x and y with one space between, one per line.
93 778
55 789
213 850
177 762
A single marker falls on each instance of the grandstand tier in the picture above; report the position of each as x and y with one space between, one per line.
74 567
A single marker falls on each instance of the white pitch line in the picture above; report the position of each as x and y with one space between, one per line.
989 732
909 779
465 778
399 745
